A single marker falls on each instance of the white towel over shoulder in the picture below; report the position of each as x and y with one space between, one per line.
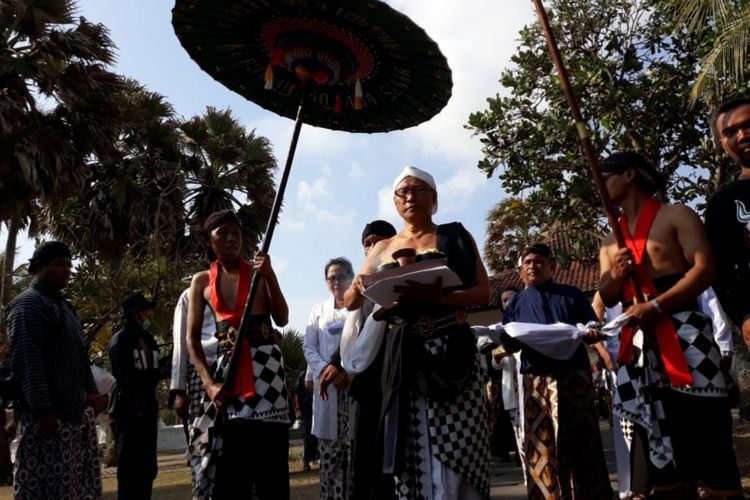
359 348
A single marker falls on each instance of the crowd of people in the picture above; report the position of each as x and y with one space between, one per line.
394 397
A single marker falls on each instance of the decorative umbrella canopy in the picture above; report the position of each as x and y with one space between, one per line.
369 68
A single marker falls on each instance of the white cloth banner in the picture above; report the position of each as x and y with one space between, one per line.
558 340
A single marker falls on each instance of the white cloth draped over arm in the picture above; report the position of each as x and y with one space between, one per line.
710 306
558 340
179 344
360 348
180 357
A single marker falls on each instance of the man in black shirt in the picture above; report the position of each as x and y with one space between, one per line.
728 216
135 365
57 455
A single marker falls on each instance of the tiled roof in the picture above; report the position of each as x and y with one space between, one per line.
581 275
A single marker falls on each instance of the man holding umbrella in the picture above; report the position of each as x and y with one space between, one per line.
133 355
240 441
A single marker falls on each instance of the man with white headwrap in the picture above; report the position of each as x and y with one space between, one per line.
435 420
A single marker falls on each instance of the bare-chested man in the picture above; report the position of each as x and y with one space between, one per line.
248 422
669 367
431 362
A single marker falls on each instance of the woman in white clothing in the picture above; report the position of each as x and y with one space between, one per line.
330 415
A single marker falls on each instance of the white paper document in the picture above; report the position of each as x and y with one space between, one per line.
382 292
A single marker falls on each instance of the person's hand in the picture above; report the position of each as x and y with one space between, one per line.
97 401
181 404
341 382
644 315
426 292
219 394
327 377
592 337
358 284
262 264
47 425
309 385
510 344
623 264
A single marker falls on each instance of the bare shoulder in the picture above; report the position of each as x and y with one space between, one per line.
678 215
608 241
679 210
200 279
383 249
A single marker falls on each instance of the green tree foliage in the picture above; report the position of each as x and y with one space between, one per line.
56 106
228 167
725 24
294 357
633 74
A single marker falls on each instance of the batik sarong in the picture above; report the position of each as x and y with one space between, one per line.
335 456
63 468
564 453
269 404
196 392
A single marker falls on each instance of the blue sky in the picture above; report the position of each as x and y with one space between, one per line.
340 181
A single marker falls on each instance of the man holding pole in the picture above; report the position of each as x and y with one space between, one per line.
669 360
240 441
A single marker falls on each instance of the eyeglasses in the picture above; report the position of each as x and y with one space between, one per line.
338 278
414 190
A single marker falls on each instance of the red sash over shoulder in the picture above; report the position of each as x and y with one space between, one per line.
244 382
666 336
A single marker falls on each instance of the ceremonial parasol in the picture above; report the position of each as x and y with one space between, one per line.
352 65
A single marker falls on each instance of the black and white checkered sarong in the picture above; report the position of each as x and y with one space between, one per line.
269 404
635 397
456 432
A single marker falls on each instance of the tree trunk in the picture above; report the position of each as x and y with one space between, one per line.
14 225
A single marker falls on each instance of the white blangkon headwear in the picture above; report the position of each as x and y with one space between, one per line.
417 174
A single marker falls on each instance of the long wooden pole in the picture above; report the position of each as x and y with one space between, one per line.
265 247
585 136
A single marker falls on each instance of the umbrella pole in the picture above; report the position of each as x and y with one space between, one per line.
585 137
276 208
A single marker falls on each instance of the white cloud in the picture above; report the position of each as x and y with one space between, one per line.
356 172
477 56
386 209
308 192
280 264
329 217
460 190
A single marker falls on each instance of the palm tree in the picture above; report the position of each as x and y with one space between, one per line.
56 105
228 168
131 199
727 24
511 226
